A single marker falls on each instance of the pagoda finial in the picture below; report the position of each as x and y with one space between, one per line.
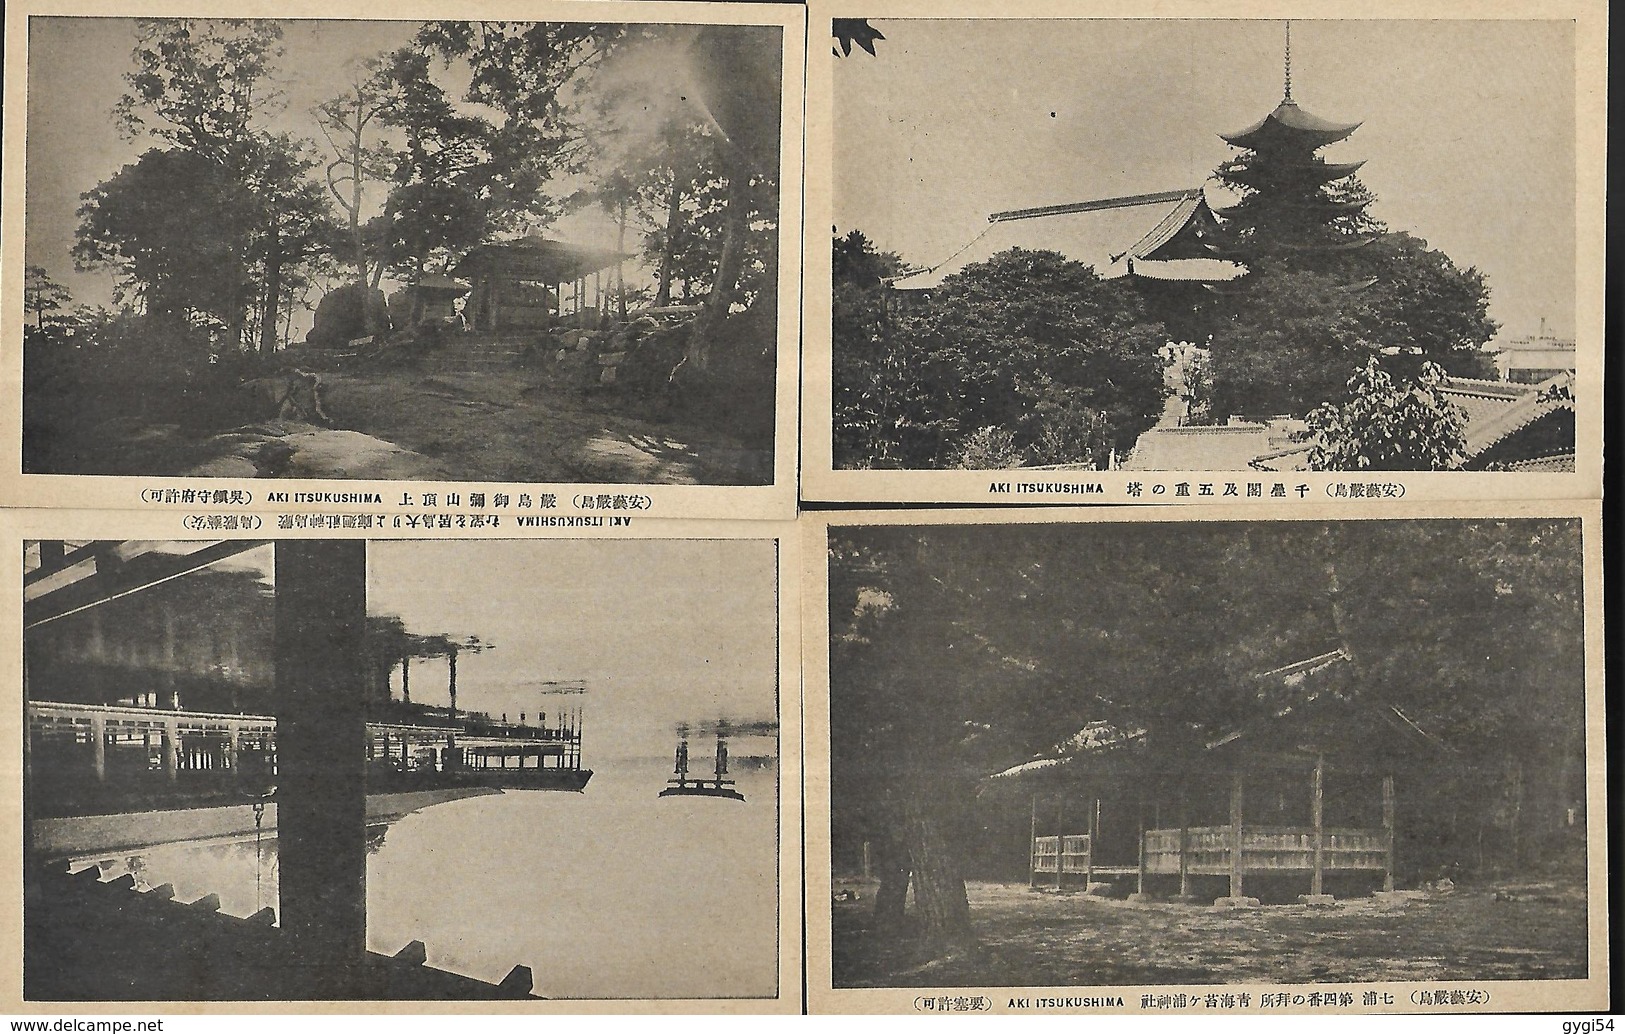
1288 97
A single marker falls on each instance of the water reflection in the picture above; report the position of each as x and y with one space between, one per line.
613 893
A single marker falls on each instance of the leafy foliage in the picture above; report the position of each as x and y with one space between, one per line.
1389 426
1421 300
177 227
849 32
1289 341
1028 341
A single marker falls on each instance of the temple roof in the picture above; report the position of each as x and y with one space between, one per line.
1325 172
537 258
439 284
1290 122
1494 416
1318 704
1157 236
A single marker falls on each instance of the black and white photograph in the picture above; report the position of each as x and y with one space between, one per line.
1105 246
538 252
395 770
1128 758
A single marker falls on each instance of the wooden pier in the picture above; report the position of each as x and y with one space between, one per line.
90 757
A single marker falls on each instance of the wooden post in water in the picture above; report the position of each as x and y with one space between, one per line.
1388 828
172 749
321 693
1317 818
98 746
451 681
1236 786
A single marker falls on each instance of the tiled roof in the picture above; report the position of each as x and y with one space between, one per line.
1105 238
1490 425
1198 448
1288 117
1560 463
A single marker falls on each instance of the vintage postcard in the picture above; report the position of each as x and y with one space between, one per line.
403 771
319 258
1216 254
1064 760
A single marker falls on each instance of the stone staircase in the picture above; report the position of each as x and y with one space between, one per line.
475 353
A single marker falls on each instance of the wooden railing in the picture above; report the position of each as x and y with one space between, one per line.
1070 851
1208 849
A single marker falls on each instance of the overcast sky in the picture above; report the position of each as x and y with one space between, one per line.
661 631
1468 129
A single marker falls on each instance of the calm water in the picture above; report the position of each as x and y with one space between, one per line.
611 893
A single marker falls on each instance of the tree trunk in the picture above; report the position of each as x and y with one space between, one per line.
940 906
735 227
620 263
890 900
668 248
272 308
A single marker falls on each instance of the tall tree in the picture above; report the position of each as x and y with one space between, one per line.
294 231
177 228
41 294
203 85
447 188
1425 307
358 155
206 87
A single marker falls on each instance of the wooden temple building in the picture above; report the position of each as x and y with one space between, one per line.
535 282
1301 804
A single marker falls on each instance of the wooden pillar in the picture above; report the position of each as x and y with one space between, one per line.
451 680
321 690
1317 819
1139 883
1184 849
1388 828
1236 787
172 749
1032 848
406 678
1089 859
1060 831
98 746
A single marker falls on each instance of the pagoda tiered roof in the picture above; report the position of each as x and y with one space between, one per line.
1291 125
1315 169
